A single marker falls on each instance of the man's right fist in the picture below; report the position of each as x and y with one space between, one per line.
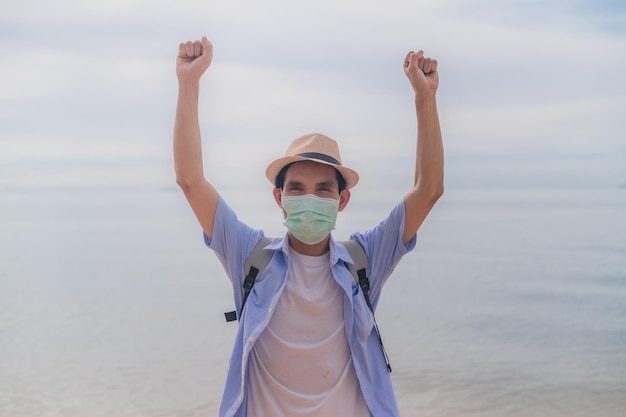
193 59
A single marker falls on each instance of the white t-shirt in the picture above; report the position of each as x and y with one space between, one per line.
301 364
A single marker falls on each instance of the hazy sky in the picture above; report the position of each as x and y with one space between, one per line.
531 92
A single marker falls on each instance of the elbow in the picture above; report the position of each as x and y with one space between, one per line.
435 193
430 192
185 183
188 174
182 182
182 185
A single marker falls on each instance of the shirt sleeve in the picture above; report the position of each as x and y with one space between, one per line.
384 248
232 242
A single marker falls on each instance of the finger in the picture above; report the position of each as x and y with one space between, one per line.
197 48
207 46
181 50
427 65
434 66
417 59
189 48
420 62
407 58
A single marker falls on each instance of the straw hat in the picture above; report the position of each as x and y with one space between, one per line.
313 147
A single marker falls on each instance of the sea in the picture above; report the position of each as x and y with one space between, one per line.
513 302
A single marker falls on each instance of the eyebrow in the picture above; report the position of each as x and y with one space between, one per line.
330 184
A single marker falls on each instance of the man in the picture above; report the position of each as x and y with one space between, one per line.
306 343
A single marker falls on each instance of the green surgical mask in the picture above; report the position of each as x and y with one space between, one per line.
310 218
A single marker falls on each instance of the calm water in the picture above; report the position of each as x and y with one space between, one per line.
513 304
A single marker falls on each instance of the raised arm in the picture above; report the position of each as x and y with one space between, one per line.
192 61
428 184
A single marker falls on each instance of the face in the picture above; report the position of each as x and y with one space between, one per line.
309 177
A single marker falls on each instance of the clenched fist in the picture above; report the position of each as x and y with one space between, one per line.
193 59
421 71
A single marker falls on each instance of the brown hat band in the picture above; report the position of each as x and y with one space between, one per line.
313 147
320 156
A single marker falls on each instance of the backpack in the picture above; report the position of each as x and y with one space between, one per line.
260 257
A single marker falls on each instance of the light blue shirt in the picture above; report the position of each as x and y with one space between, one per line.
233 242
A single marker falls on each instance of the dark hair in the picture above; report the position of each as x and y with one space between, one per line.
280 178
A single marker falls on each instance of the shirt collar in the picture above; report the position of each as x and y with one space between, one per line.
338 252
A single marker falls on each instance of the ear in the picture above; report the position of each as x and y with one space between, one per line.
344 197
278 196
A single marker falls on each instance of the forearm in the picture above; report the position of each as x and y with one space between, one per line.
429 156
428 184
187 140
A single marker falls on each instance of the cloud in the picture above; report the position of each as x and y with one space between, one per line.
551 126
515 76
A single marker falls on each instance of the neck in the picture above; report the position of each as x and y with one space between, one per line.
302 248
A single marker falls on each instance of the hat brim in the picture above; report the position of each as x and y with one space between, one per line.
272 171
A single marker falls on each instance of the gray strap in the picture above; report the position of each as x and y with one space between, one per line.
358 255
259 257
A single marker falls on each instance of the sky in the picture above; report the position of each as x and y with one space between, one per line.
532 93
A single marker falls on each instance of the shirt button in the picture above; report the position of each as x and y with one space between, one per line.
270 310
251 340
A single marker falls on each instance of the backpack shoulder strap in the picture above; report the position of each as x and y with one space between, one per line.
359 257
259 257
359 273
255 264
359 268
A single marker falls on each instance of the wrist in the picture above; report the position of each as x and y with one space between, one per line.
186 83
188 80
425 98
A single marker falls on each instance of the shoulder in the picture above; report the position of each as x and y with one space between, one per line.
385 235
